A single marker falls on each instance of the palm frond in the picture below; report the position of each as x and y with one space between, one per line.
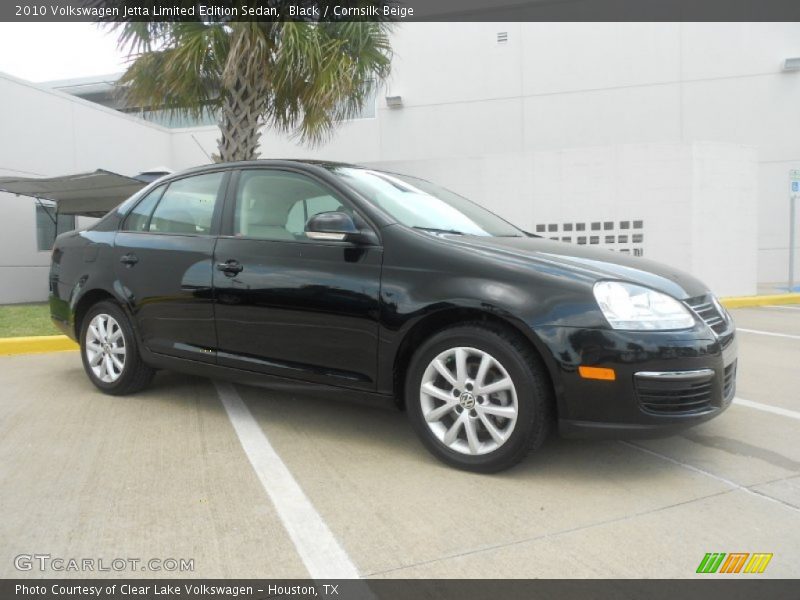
301 78
183 75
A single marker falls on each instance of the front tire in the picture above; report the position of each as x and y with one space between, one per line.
478 397
110 352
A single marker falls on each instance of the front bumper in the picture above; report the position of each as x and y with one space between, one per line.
665 381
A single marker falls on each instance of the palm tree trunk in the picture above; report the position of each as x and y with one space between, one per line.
240 122
244 90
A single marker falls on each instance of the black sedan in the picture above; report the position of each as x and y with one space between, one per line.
337 279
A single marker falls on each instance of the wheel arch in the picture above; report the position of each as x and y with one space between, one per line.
85 303
439 320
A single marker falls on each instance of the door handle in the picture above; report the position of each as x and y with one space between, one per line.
231 267
129 259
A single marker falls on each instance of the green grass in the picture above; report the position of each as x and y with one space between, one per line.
18 320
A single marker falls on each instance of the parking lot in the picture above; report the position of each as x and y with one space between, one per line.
252 483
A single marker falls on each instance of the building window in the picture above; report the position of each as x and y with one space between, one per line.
46 227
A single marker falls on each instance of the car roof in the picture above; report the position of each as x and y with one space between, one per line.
274 162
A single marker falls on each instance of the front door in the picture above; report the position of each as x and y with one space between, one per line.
164 264
287 305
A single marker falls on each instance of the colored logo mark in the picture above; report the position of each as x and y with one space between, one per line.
735 562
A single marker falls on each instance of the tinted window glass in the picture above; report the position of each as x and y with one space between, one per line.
187 205
275 205
138 218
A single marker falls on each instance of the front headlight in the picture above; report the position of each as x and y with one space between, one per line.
629 306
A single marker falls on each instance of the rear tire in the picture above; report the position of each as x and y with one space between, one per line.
110 352
478 397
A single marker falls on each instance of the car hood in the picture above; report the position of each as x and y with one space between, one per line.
585 263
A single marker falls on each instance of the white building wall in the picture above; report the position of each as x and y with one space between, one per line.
46 133
677 191
573 85
550 87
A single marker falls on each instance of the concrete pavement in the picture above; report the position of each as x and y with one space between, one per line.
163 474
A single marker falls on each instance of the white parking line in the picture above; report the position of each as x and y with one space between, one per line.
783 307
784 412
321 553
771 333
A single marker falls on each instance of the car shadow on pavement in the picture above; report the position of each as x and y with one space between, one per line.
382 433
385 432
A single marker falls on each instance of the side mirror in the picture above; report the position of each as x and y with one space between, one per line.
336 226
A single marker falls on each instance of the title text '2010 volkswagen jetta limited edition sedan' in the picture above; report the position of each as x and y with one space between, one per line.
373 286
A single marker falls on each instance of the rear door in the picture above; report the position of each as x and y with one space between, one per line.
165 252
287 305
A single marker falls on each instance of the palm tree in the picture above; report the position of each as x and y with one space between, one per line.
299 78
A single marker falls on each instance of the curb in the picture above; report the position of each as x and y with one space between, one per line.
36 344
768 300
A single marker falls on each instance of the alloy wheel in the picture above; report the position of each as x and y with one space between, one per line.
105 348
468 400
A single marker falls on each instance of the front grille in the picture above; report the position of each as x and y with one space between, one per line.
706 309
729 382
675 396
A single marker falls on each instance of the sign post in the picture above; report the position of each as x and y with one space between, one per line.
794 194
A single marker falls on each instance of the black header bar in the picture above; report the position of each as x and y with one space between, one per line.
400 589
402 10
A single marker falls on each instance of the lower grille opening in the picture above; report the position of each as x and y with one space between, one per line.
673 397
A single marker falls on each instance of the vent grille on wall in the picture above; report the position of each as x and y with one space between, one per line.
502 37
623 236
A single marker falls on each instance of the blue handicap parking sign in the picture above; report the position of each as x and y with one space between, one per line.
796 186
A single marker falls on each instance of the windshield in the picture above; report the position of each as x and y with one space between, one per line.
420 204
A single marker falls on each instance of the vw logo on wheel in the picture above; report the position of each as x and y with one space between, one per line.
467 400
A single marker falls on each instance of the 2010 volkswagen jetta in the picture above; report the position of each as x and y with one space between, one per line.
375 286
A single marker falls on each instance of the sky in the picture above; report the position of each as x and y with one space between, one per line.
51 51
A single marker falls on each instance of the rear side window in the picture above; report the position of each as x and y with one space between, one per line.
187 206
139 217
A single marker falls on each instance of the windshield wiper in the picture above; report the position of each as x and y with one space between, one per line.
436 230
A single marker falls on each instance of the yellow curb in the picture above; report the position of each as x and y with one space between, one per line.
36 344
745 301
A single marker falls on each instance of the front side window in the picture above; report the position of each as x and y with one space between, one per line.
276 205
187 205
423 205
